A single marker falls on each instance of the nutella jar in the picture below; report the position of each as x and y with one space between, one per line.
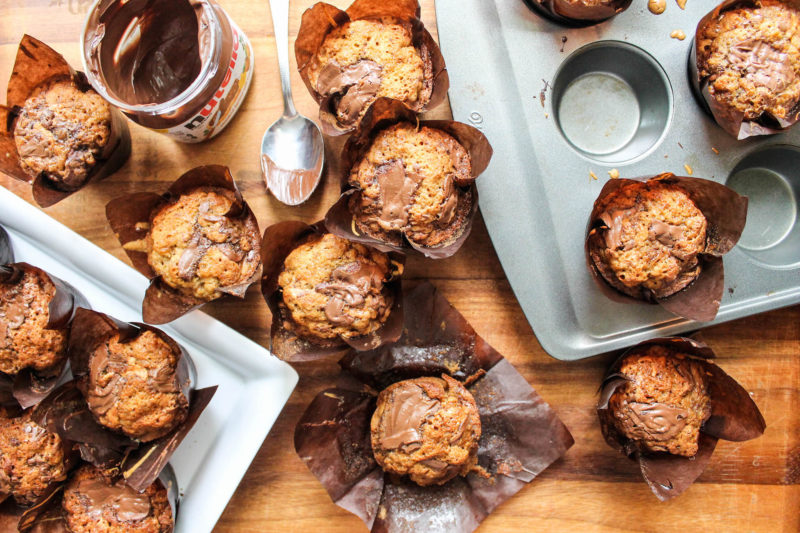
180 67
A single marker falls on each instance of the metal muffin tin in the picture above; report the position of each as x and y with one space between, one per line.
530 85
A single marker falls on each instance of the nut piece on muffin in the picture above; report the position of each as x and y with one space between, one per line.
427 428
332 287
94 503
196 248
408 180
664 402
132 386
25 340
653 236
749 56
31 458
60 133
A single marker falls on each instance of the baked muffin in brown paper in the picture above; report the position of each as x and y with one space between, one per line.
665 405
58 133
375 49
661 240
746 65
409 184
327 294
579 12
518 434
196 242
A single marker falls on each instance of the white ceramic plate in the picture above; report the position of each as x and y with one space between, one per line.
253 385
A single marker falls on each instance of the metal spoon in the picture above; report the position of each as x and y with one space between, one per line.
292 150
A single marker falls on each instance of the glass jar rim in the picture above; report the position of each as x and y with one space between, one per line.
208 69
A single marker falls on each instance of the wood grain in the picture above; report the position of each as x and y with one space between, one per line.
751 486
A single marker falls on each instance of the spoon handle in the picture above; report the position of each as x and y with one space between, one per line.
280 27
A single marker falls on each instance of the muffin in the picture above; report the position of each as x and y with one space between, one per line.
749 57
408 180
332 287
197 249
132 386
25 339
95 504
61 132
653 233
579 12
31 458
663 404
427 428
362 60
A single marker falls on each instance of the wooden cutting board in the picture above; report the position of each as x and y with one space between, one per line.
751 486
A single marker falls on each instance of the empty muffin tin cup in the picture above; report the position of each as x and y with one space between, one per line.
612 102
769 178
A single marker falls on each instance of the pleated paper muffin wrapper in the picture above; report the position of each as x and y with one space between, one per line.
521 434
279 241
37 64
322 18
47 515
734 417
341 218
580 13
725 212
730 119
30 386
131 219
6 251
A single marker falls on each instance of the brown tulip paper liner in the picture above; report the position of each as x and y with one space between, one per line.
47 514
279 241
734 417
37 64
29 387
131 218
521 434
578 13
341 218
730 119
322 18
725 212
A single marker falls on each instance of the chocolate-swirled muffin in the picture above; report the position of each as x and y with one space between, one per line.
427 428
132 386
664 402
197 249
95 504
31 458
332 288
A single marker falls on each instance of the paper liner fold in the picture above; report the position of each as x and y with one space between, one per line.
322 18
130 218
278 242
578 13
36 64
726 215
734 416
6 251
729 118
341 217
521 434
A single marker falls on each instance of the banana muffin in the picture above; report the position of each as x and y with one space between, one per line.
408 179
332 287
25 341
362 60
95 504
652 237
427 428
61 131
132 386
31 458
199 250
751 58
664 402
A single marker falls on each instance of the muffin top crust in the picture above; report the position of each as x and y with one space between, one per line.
61 131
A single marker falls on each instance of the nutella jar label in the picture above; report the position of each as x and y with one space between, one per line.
220 109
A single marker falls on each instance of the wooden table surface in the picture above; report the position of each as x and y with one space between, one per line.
751 486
